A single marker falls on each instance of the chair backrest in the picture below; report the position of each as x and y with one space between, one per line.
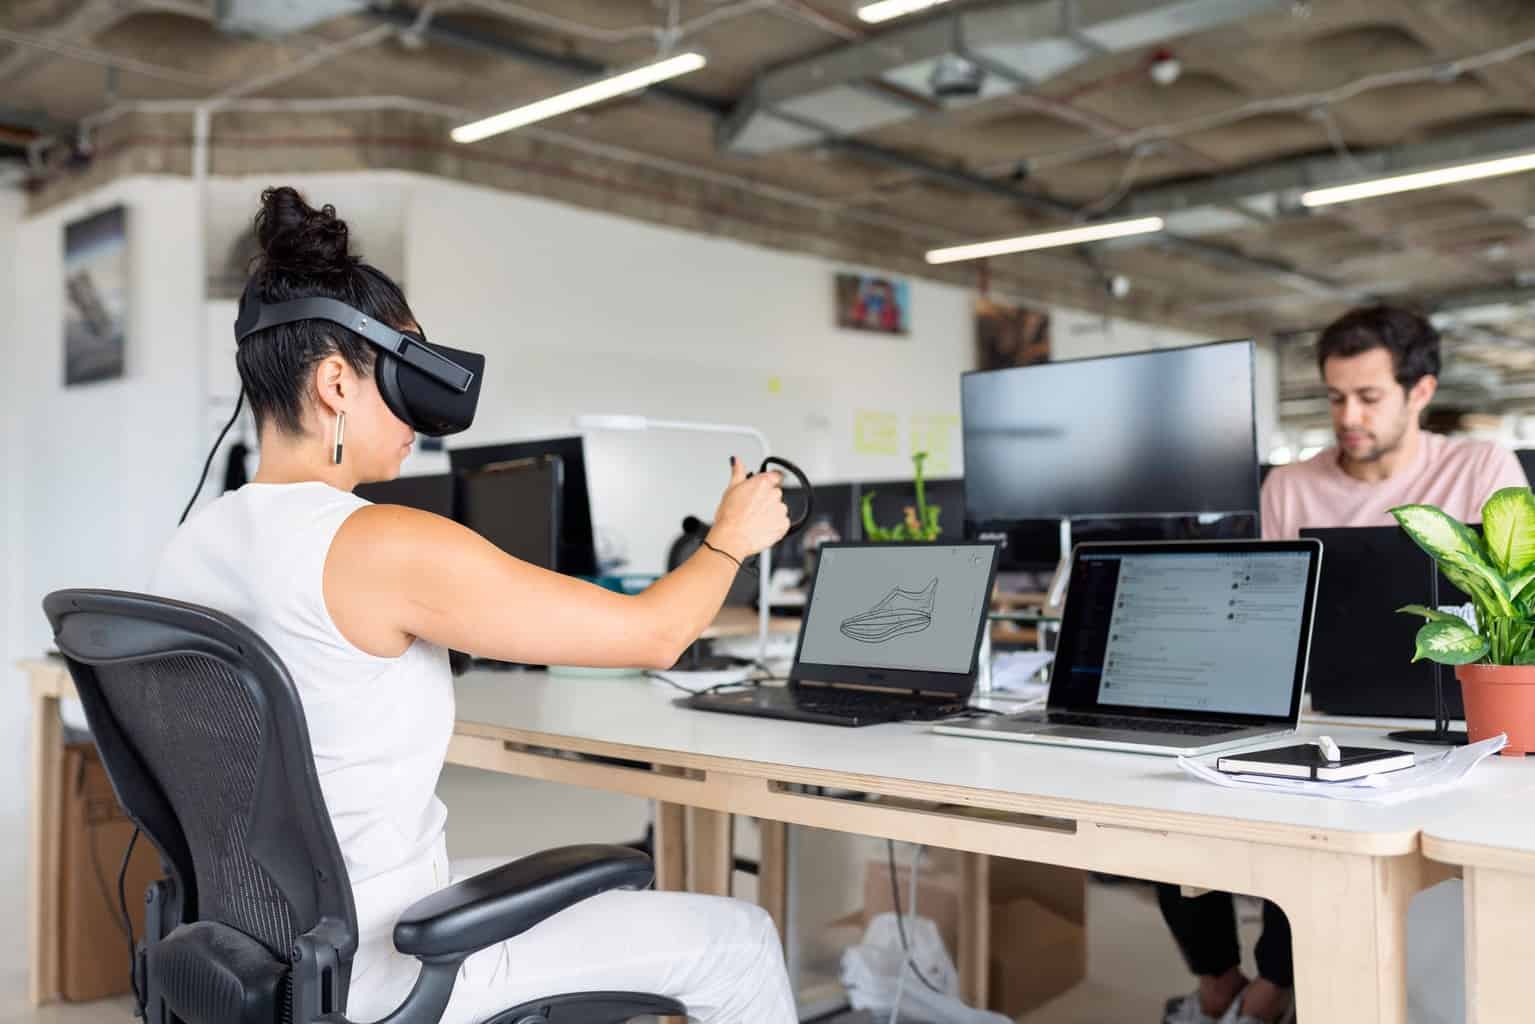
202 733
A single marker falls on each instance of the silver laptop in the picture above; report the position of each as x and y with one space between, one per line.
1175 648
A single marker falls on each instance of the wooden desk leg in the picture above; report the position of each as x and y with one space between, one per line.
974 951
1500 945
671 847
47 821
711 852
773 875
1348 916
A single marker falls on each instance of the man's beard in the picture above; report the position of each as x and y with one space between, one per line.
1380 450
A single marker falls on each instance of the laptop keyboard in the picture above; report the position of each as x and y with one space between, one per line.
867 703
1136 724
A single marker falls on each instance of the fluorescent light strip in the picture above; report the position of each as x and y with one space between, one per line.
585 96
1419 179
888 9
1047 240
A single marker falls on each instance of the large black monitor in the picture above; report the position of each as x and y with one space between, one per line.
432 493
577 551
516 506
1163 433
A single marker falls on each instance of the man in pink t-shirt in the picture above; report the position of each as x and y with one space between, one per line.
1381 367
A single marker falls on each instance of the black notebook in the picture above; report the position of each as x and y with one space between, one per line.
1306 761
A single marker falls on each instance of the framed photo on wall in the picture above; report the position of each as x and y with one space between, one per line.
868 302
95 296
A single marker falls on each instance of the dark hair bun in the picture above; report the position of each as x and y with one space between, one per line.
298 239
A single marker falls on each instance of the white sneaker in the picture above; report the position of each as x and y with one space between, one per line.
1236 1016
1187 1010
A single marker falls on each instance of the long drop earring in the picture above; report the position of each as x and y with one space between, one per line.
340 434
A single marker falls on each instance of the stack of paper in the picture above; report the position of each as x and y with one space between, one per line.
1430 775
1018 675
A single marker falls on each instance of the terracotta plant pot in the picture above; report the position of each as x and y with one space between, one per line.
1500 698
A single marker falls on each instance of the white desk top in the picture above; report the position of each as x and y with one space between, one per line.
1494 830
1098 785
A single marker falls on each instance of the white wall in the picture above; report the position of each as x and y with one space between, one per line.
107 466
584 312
14 706
95 475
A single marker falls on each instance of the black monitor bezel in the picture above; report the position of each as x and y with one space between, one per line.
993 523
578 553
959 684
1071 619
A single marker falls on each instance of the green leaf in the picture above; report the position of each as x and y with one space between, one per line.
1480 580
1450 643
1442 536
1508 524
1525 657
1519 583
1431 614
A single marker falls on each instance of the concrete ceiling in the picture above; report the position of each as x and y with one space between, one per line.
1272 96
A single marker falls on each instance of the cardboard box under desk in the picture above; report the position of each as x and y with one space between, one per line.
1038 922
93 949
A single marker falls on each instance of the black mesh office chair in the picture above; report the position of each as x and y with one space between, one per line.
202 733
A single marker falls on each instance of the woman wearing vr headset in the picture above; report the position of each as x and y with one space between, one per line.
362 602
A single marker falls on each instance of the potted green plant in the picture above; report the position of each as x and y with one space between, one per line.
921 522
1494 655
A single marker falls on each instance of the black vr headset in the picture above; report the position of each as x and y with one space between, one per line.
431 388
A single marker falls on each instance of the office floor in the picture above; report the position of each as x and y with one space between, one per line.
1132 964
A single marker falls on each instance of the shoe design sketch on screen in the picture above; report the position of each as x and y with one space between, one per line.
899 613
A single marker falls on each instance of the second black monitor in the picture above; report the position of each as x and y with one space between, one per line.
1163 433
576 554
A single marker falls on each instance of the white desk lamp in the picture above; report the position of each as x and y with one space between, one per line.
764 564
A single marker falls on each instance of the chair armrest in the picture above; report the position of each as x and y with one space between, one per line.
506 901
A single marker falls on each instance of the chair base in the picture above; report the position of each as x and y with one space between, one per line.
591 1008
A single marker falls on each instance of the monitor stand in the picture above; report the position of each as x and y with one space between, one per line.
1055 597
1440 734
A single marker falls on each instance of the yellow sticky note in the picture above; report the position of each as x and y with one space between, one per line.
935 433
876 433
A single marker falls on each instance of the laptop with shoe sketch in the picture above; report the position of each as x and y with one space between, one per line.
1181 647
892 632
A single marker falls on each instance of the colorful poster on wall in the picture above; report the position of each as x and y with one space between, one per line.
871 303
1010 335
95 296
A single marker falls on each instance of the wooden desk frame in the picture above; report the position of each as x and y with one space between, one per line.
1346 894
1500 944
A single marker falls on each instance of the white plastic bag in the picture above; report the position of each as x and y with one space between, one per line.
871 973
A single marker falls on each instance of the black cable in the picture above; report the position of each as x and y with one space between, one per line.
101 877
122 902
211 453
895 896
661 676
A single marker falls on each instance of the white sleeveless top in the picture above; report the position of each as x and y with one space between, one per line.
379 727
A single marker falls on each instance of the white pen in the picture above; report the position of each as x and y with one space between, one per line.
1329 749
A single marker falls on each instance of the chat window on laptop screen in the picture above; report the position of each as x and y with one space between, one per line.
1202 631
898 607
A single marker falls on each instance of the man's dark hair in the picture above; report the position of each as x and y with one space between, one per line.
1411 340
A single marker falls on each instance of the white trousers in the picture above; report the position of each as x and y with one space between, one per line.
719 957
